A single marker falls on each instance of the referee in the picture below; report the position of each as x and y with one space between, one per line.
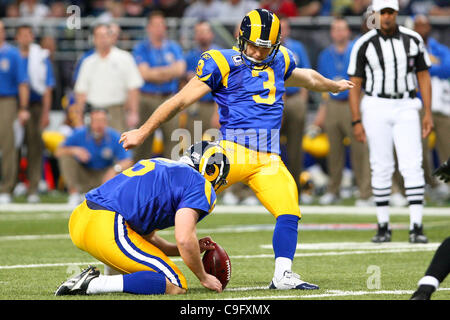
388 63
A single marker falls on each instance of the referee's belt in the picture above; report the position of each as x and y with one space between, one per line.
408 94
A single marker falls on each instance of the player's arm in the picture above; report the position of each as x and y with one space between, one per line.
312 80
189 247
354 98
424 81
191 92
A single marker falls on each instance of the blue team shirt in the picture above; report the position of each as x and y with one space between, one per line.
191 58
13 71
169 52
149 194
333 65
103 154
250 101
49 80
440 59
301 58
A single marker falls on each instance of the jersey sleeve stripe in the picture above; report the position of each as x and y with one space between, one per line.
255 21
287 60
223 65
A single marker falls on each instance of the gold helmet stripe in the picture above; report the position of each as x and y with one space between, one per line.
255 25
274 29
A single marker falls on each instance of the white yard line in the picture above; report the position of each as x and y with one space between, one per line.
328 293
257 256
360 245
259 209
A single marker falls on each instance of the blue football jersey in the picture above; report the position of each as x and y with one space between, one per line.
149 194
250 101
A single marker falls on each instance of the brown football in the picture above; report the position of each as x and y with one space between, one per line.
217 263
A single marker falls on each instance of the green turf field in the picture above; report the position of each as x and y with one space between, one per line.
334 252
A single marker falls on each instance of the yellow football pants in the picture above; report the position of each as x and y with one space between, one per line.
266 175
106 236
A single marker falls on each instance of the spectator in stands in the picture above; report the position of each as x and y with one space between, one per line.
134 9
171 8
282 8
204 9
295 106
440 8
308 8
14 82
12 10
333 63
415 7
42 82
33 9
356 8
110 79
58 9
205 109
114 10
440 102
161 64
90 156
236 9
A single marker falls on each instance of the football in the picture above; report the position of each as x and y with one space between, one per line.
217 263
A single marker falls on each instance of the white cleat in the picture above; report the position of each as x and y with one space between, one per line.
291 280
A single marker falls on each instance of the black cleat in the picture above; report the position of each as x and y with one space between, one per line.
384 234
424 292
416 235
78 284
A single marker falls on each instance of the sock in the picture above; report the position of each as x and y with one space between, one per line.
281 265
415 213
382 214
430 281
284 243
105 284
144 282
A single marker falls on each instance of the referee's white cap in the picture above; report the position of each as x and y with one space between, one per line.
378 5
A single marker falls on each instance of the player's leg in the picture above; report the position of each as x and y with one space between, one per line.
276 189
437 271
376 118
408 145
107 237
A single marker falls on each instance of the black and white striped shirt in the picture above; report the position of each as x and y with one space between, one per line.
388 64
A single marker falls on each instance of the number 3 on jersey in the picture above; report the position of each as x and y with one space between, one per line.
269 84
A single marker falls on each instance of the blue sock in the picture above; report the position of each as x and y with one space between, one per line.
284 239
144 282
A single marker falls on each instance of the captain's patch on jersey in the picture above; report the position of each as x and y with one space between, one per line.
237 60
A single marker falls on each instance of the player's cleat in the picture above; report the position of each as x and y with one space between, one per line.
78 284
424 292
291 280
416 235
384 234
